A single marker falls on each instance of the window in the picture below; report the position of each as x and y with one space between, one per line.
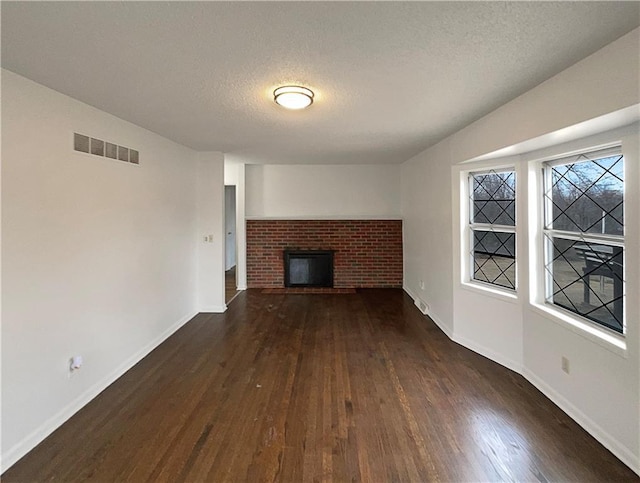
584 236
492 224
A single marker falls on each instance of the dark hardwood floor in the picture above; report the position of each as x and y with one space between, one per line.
339 387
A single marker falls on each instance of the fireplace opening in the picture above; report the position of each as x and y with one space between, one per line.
308 268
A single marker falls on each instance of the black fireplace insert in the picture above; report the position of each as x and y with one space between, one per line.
308 268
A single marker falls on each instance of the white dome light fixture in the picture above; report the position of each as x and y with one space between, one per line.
293 97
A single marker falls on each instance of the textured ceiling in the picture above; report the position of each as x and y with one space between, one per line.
391 78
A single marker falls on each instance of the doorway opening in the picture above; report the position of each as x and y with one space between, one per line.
230 281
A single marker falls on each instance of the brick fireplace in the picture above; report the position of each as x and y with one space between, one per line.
367 253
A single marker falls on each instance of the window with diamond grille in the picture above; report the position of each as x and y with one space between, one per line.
492 197
584 236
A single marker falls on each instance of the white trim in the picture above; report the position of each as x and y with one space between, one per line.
538 240
621 452
409 292
489 170
241 287
213 309
493 228
488 353
442 326
436 320
594 238
468 226
13 454
576 322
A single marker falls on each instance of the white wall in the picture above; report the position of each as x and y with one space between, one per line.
603 391
426 213
211 255
322 191
98 256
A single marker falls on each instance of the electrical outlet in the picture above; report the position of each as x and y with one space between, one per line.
421 284
565 364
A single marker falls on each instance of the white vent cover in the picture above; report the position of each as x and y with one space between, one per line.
422 306
98 147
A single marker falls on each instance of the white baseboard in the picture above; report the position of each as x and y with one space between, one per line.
13 454
409 292
213 309
442 326
618 449
436 320
488 353
241 287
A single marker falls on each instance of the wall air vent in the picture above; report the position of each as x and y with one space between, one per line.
98 147
422 306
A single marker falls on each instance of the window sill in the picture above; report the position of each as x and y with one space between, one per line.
504 295
608 340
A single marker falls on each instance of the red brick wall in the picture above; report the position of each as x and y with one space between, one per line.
368 252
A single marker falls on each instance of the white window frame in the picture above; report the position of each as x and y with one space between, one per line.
548 234
468 226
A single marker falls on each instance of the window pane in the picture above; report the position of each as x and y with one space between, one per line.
587 196
587 280
494 258
493 198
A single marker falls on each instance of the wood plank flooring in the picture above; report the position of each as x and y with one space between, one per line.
329 387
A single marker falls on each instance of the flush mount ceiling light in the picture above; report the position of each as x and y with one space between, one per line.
293 97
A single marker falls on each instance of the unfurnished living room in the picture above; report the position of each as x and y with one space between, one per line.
320 241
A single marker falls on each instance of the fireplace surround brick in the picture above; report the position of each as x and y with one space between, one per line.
368 253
